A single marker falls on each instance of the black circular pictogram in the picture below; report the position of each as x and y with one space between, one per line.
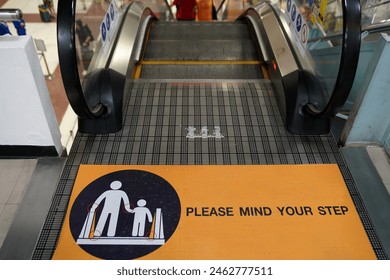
145 188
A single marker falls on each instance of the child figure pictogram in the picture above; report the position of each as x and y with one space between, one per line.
140 214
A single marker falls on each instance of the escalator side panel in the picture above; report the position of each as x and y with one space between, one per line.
295 87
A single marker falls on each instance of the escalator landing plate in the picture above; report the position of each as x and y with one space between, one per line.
212 212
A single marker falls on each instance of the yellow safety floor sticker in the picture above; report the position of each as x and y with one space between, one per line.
212 213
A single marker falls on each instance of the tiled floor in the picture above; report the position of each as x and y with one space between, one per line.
15 175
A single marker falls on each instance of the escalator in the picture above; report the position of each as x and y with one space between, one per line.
222 51
207 94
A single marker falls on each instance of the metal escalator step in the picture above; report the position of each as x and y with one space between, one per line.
202 71
200 50
199 30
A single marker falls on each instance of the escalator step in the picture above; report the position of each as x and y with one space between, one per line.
199 71
199 31
199 50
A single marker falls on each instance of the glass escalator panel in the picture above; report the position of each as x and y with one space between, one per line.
96 22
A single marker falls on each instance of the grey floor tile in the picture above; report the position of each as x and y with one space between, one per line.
23 180
382 163
6 219
2 205
10 171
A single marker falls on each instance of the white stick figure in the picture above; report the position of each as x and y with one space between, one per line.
217 132
191 132
113 199
204 131
141 213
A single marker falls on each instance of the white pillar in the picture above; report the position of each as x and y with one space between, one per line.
27 118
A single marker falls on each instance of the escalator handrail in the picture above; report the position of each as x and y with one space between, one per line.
66 13
171 16
220 6
350 52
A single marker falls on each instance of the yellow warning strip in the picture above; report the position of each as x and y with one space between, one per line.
188 62
265 72
198 62
203 62
137 73
138 68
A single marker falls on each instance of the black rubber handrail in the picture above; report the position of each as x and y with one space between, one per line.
66 12
348 63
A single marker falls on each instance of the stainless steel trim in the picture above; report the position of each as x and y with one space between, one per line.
263 47
10 14
282 52
123 53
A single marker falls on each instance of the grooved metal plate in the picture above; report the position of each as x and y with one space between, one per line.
206 71
199 50
201 30
158 116
199 42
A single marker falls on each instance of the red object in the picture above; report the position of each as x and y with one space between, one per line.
185 9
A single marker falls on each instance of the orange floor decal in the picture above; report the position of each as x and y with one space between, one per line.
212 212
